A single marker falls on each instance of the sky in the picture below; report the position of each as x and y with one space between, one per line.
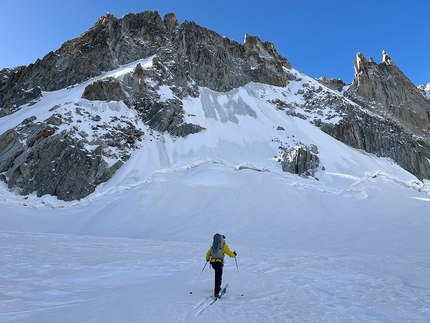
319 37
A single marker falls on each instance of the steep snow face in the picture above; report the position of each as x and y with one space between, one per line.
248 127
249 118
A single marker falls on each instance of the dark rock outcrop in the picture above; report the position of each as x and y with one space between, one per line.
385 138
36 157
16 95
333 84
300 160
167 116
104 90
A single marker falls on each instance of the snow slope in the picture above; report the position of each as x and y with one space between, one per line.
351 246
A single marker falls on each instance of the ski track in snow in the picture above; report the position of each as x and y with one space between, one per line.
101 279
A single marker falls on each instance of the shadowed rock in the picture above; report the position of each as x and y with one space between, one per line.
300 160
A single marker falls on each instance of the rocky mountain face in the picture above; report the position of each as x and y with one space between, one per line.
401 130
382 112
39 157
189 51
384 89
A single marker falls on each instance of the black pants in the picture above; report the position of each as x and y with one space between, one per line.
217 266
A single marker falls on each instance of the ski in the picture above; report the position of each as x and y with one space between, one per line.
203 305
223 291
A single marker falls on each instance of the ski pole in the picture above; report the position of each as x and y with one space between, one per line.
238 275
200 274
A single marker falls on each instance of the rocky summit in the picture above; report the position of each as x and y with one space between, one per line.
401 130
136 76
384 89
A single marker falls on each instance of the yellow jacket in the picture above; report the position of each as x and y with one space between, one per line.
225 250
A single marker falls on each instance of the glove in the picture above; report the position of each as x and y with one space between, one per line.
234 253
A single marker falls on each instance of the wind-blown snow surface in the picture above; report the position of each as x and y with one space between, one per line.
351 246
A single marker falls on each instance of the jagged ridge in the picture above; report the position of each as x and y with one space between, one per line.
199 54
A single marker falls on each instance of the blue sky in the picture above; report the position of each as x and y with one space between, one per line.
319 37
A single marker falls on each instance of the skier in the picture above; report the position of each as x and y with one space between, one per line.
216 256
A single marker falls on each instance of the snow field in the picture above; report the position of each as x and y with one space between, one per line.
304 255
53 277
